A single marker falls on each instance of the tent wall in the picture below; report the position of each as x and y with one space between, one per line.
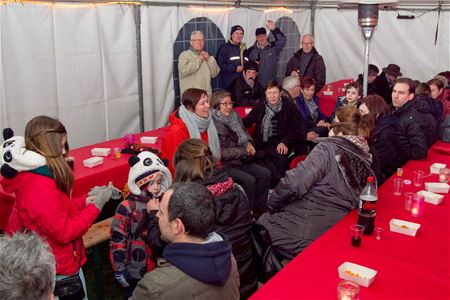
79 64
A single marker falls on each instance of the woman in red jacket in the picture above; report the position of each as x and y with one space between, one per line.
191 120
43 198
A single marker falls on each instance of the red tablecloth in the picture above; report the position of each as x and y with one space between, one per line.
115 170
408 267
329 94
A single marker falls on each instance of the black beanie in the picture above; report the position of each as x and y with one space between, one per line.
236 27
260 30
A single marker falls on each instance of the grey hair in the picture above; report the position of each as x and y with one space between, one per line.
290 82
27 267
310 35
194 33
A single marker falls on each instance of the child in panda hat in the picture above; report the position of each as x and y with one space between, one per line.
148 179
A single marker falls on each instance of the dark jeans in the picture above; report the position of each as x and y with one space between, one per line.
128 291
254 179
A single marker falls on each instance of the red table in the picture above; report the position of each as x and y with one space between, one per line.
408 267
329 94
115 170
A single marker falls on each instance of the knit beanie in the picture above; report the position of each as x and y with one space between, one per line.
236 27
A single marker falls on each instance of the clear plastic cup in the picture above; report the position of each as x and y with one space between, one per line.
408 200
117 153
378 233
398 186
418 177
356 232
347 290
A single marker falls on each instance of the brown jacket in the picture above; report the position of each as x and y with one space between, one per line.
169 282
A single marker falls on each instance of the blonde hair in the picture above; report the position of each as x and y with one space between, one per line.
45 135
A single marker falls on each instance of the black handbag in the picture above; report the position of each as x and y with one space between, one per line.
70 288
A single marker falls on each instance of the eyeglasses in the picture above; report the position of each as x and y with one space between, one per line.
307 43
227 103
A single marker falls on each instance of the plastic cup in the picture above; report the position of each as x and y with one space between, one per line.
378 233
399 172
417 205
117 153
398 186
347 290
418 177
408 200
70 161
356 231
444 175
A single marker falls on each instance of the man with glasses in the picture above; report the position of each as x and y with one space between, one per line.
196 67
308 62
245 89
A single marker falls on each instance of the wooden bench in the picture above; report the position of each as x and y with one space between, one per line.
98 233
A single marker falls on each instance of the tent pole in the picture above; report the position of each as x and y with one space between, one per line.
313 16
137 22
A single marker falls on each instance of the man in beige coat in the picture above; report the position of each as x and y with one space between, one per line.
198 263
196 67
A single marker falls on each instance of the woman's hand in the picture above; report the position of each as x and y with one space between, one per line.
282 149
322 123
250 149
152 204
90 200
311 136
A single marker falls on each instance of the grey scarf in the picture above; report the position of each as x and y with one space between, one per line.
234 124
312 107
266 127
196 125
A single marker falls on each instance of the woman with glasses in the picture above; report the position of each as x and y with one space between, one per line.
238 151
191 120
280 131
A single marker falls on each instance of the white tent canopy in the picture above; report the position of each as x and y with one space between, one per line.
79 62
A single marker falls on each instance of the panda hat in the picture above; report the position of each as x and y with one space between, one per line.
143 168
14 157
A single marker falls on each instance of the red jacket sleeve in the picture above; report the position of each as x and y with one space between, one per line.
175 136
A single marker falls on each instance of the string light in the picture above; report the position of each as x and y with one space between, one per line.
204 9
278 9
68 5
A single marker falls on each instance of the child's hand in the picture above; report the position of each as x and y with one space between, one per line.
152 204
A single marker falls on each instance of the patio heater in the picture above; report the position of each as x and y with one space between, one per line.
368 20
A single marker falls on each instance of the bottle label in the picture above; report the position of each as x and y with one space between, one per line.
367 206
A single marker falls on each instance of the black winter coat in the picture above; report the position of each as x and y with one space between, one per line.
243 94
384 142
382 87
291 128
411 134
233 219
315 68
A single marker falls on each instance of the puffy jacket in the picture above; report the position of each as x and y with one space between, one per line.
315 67
315 195
61 221
228 58
427 121
233 219
412 139
176 134
128 250
268 57
232 153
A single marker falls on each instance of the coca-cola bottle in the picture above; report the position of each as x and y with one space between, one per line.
367 206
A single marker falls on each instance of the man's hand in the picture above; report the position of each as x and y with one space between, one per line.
322 123
239 69
271 25
295 73
282 149
311 136
250 149
205 55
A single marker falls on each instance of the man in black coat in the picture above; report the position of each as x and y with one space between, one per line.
416 132
245 89
384 82
308 62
